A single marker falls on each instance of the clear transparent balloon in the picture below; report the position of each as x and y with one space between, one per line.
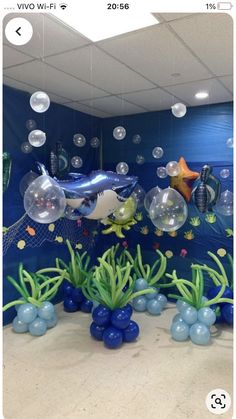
168 211
225 204
79 140
161 172
31 124
139 195
37 138
224 173
150 196
119 133
172 168
76 162
44 200
157 152
95 142
178 110
230 142
122 168
26 147
70 213
39 102
126 211
136 139
27 179
140 159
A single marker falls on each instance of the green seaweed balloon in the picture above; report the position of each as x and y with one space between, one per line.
34 288
109 280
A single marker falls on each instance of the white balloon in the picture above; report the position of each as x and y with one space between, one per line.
172 168
119 133
179 110
230 142
137 139
76 162
79 140
140 159
37 138
26 147
224 173
157 152
122 168
139 195
150 196
44 200
225 204
27 179
161 172
95 142
30 124
39 102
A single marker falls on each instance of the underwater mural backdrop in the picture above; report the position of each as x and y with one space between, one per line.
160 203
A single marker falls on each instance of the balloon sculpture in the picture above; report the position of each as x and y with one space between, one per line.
184 180
95 196
122 218
207 192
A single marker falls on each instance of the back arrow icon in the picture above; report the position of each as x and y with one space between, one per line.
17 31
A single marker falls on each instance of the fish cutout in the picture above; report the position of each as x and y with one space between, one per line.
30 230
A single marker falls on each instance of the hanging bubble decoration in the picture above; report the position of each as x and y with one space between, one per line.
137 139
225 204
161 172
37 138
157 152
140 159
95 142
70 213
178 110
230 142
224 173
76 162
39 102
119 133
122 168
44 200
139 195
26 147
79 140
150 196
168 211
27 179
31 124
172 168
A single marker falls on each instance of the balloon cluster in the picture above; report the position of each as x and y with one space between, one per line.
34 320
154 302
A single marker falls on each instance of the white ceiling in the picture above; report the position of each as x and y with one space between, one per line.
145 70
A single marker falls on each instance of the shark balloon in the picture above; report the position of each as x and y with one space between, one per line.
95 196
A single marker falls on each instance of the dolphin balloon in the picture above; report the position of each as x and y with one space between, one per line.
97 195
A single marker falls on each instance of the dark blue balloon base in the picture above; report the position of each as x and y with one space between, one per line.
74 299
113 327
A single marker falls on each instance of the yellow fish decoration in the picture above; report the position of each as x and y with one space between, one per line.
21 244
158 232
79 246
172 233
169 254
59 239
221 252
51 227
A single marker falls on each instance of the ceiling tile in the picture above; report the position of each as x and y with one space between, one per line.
216 91
173 16
95 66
13 57
87 109
227 81
210 36
31 89
153 100
115 106
156 54
50 36
47 78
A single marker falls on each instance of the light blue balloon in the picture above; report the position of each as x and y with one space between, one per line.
180 304
46 311
140 284
153 295
27 313
154 307
177 318
17 306
19 326
52 322
38 327
179 331
162 299
189 314
204 299
140 303
207 316
200 334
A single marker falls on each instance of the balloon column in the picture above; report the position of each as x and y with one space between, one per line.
207 191
95 196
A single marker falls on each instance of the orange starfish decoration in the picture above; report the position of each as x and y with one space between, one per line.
184 181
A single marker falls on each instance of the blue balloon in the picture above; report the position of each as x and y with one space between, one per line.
131 332
140 303
189 314
97 195
140 284
153 295
38 327
52 322
207 316
46 311
162 299
199 333
112 337
27 313
97 331
19 326
179 331
154 307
